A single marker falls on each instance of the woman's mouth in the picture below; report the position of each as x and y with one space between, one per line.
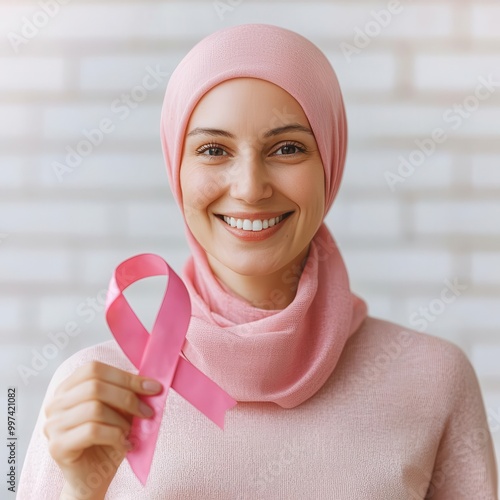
255 224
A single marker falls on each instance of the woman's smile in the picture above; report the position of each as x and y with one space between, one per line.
256 229
253 222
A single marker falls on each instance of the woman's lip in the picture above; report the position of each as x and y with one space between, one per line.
252 217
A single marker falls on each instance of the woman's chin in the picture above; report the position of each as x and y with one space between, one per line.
250 268
244 264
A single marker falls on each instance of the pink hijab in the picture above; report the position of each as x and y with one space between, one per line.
281 356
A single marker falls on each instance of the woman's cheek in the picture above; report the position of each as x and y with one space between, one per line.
203 190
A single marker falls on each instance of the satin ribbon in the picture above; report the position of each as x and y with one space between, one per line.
158 355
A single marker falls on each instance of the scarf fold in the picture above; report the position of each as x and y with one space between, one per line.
281 356
284 355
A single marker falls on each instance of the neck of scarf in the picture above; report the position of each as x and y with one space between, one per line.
283 355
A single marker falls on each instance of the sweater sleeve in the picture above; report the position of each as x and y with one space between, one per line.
40 476
465 465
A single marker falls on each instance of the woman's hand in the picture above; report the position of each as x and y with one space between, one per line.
88 421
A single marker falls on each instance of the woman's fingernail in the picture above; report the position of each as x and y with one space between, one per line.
151 385
146 410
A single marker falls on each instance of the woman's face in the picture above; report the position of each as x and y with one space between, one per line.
251 172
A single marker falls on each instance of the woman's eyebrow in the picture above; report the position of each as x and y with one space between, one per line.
210 131
294 127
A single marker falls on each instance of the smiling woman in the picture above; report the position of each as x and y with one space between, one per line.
332 403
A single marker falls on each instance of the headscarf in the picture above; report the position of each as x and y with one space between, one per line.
282 356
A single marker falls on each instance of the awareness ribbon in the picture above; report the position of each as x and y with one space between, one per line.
158 355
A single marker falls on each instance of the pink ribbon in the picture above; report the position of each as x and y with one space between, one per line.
158 355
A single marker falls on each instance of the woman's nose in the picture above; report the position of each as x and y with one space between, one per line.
250 180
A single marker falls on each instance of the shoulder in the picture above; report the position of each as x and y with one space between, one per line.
423 348
419 361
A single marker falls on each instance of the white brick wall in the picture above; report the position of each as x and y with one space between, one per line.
112 171
485 268
486 357
484 20
361 219
364 170
10 312
61 236
454 72
472 217
12 171
486 171
32 73
381 66
123 73
73 122
383 266
15 120
25 266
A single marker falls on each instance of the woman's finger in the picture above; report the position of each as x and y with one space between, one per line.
88 411
68 447
96 390
112 375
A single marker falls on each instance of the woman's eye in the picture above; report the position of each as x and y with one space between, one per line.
213 150
288 150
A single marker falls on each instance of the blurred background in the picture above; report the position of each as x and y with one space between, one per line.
83 184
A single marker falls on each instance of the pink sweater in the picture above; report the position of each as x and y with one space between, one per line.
401 417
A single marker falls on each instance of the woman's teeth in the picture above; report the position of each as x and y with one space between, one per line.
256 225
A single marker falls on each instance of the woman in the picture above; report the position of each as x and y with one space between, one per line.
332 403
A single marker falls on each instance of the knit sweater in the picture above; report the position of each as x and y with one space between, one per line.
401 417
